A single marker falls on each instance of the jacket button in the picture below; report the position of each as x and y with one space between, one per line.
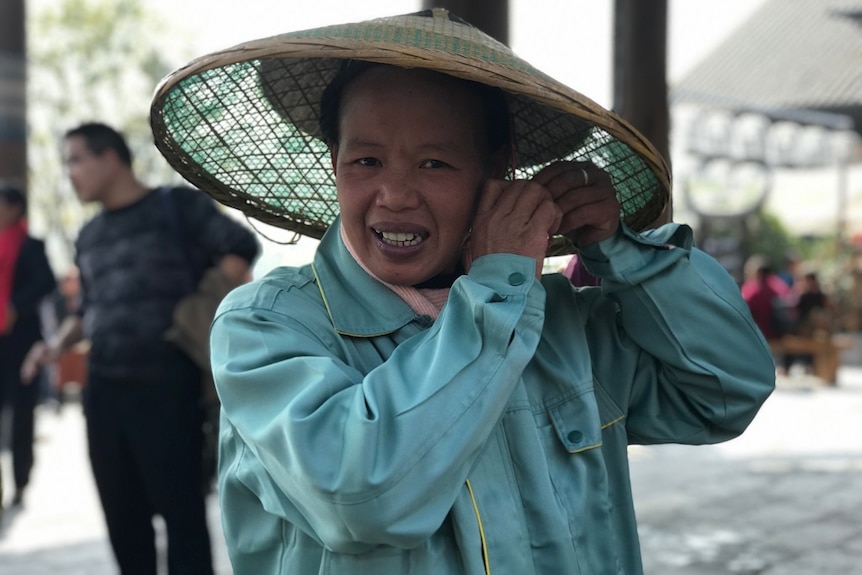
575 436
516 278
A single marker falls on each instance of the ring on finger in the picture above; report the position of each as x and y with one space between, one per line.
586 177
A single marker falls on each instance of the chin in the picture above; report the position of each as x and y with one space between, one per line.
400 277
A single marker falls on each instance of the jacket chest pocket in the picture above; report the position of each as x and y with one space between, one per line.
576 464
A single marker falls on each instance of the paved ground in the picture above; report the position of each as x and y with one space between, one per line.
60 528
783 499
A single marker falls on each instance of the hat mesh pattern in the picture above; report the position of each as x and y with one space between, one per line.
245 154
245 129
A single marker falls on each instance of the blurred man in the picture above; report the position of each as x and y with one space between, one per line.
142 254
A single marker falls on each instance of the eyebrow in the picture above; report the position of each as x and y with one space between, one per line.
357 143
447 147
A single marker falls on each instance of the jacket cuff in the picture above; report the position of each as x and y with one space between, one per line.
628 254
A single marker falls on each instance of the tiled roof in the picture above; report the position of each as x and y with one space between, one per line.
790 55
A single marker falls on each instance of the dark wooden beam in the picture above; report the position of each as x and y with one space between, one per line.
13 93
640 71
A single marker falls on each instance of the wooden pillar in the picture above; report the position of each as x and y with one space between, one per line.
490 16
13 93
640 71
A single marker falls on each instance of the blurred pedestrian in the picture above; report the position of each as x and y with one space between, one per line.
768 298
143 253
790 267
814 307
813 317
26 279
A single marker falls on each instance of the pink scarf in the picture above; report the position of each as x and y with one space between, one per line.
423 301
11 240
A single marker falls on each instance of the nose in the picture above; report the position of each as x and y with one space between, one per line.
398 191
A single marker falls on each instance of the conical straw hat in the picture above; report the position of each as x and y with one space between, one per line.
241 124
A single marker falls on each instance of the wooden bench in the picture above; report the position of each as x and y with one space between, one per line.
825 352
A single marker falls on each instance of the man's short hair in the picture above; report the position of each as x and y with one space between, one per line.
101 137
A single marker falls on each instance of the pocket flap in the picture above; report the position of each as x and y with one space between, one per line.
577 422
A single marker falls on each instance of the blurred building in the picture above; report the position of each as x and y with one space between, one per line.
771 120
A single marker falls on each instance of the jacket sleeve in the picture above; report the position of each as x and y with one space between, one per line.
34 279
372 455
696 367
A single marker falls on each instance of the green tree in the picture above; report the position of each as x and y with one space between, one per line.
771 239
90 60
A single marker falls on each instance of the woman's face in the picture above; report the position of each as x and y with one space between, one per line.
409 166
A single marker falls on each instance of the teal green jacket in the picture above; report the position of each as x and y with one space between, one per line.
360 438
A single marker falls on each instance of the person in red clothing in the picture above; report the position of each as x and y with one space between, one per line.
26 279
767 297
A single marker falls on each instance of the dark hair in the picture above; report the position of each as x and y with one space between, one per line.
494 107
13 197
100 137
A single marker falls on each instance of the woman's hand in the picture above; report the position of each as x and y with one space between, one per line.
514 218
587 199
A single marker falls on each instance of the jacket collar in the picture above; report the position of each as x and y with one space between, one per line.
358 305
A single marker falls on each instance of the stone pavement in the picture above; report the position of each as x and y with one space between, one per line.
783 499
60 528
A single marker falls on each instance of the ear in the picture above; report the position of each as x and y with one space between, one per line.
111 155
333 156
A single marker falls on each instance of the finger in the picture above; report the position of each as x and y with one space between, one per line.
517 199
562 177
580 197
591 223
551 171
491 194
533 207
519 222
556 219
595 215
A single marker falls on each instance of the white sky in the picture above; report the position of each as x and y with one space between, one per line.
570 40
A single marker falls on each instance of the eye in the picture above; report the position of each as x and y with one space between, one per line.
436 164
368 162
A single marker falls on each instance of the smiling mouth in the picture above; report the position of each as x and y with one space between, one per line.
399 239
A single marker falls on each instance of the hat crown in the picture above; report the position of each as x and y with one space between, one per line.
436 30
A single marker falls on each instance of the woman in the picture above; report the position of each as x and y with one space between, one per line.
420 399
25 280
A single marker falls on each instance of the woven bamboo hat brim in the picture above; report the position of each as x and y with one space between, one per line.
242 124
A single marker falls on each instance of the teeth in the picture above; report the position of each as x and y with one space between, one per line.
400 238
